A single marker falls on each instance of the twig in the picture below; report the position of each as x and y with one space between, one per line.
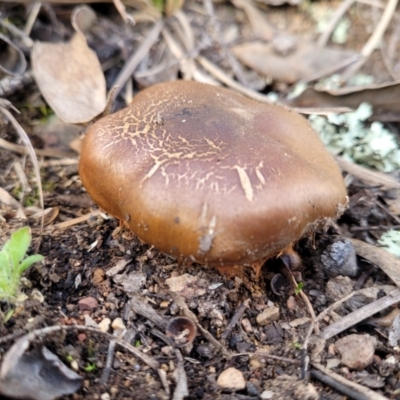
181 390
25 139
343 385
387 262
137 56
52 329
337 16
75 221
359 315
366 175
216 31
374 228
304 297
16 148
32 18
107 368
228 81
374 39
263 354
143 309
322 315
235 319
28 42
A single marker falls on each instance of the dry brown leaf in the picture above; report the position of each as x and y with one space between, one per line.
383 98
387 262
259 25
37 374
70 78
367 175
304 59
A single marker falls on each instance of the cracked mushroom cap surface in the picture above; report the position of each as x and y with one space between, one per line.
202 172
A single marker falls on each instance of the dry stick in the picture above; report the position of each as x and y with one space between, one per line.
52 329
320 316
369 176
107 368
28 42
265 354
32 17
148 312
387 262
75 221
186 64
138 56
361 314
235 319
234 64
374 40
337 16
305 299
351 389
228 81
374 228
16 148
388 212
187 29
181 390
25 139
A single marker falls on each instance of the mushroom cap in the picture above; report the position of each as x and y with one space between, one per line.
202 172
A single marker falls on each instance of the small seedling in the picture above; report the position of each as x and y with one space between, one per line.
296 345
299 288
91 367
13 262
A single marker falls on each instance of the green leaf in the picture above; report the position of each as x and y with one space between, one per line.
28 262
13 264
18 245
5 265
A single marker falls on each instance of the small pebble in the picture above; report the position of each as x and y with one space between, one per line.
338 287
339 258
118 324
299 322
74 365
89 322
231 379
104 324
357 351
268 315
88 303
267 395
246 325
36 295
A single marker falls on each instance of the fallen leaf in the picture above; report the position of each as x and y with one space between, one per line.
304 59
70 78
259 25
36 375
387 262
383 98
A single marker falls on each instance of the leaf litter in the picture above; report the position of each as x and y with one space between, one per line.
80 240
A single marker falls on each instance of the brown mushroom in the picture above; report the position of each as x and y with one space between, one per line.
203 173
